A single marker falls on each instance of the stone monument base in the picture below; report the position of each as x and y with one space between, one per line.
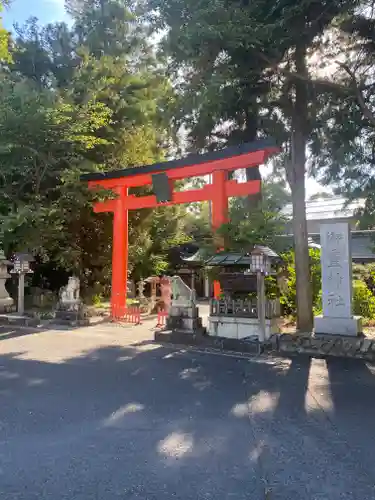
184 318
72 315
338 326
241 328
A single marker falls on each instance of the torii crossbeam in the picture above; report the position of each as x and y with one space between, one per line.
162 176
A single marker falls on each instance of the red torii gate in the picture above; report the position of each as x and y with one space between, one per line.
162 177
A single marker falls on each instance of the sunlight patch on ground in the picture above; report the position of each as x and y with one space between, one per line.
263 402
170 355
188 373
198 380
256 453
119 414
6 375
176 445
318 395
145 348
240 410
260 403
125 358
35 381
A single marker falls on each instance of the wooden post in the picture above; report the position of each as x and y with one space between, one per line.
119 254
21 293
207 287
261 296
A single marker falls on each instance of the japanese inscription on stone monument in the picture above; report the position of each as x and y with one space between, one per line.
336 270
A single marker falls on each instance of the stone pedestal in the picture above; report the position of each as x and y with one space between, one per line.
231 327
342 326
73 315
184 318
183 313
336 262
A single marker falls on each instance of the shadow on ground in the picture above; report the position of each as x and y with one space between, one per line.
151 422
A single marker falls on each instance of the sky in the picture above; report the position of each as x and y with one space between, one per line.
48 11
45 10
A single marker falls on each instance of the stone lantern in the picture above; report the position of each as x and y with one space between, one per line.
6 301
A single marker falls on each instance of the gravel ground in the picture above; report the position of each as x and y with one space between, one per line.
103 413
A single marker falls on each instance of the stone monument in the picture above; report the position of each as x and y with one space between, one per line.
70 308
6 302
336 263
183 313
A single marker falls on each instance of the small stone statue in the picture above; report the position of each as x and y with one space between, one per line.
69 294
71 309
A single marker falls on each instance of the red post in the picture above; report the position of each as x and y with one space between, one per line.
219 209
119 254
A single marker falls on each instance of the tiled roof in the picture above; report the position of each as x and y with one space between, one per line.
331 208
362 244
238 259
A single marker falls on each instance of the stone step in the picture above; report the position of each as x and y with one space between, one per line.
18 320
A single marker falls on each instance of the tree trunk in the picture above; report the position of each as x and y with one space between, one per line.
296 178
301 249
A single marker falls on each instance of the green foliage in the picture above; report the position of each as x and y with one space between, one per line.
363 300
245 70
77 100
366 273
343 146
258 227
288 297
4 39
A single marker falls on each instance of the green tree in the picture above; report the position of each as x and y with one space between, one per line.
243 70
344 148
66 109
4 36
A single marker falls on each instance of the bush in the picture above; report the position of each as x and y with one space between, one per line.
363 300
366 273
288 297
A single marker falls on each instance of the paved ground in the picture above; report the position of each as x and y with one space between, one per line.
102 413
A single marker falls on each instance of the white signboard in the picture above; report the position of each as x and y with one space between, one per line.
336 270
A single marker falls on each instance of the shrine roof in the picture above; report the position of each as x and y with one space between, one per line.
239 259
193 159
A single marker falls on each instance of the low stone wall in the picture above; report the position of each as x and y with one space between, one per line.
287 344
326 345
